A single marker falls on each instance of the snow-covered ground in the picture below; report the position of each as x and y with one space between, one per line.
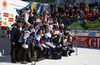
86 56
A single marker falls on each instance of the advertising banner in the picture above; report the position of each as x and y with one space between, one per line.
82 24
7 18
92 24
87 41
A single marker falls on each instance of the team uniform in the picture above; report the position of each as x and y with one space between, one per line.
49 41
25 45
69 43
38 46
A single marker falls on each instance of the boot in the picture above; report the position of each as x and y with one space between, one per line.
69 53
13 61
23 62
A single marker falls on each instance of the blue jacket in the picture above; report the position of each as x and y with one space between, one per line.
38 41
49 40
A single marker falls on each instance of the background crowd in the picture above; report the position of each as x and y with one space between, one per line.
77 11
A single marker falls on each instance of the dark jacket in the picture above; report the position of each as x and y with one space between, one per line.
58 41
31 19
15 34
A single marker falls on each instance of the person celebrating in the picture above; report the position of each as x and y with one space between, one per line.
25 44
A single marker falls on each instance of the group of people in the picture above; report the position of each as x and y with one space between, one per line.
42 33
77 11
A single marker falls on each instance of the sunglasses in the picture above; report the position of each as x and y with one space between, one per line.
20 22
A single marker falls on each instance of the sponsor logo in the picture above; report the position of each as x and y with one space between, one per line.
80 42
94 42
11 15
0 18
4 28
4 23
6 14
2 36
8 32
87 41
0 22
11 19
4 3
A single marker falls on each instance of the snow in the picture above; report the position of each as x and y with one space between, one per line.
86 56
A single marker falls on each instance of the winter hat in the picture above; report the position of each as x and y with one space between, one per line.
36 24
38 20
68 26
62 25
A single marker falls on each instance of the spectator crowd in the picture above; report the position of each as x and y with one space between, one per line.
77 11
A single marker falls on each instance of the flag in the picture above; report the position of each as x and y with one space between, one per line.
87 13
79 21
18 10
39 7
40 10
34 5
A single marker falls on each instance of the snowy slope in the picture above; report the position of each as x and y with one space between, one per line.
86 56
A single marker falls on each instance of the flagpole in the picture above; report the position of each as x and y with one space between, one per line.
76 43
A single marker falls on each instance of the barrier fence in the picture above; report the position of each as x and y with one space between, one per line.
87 41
